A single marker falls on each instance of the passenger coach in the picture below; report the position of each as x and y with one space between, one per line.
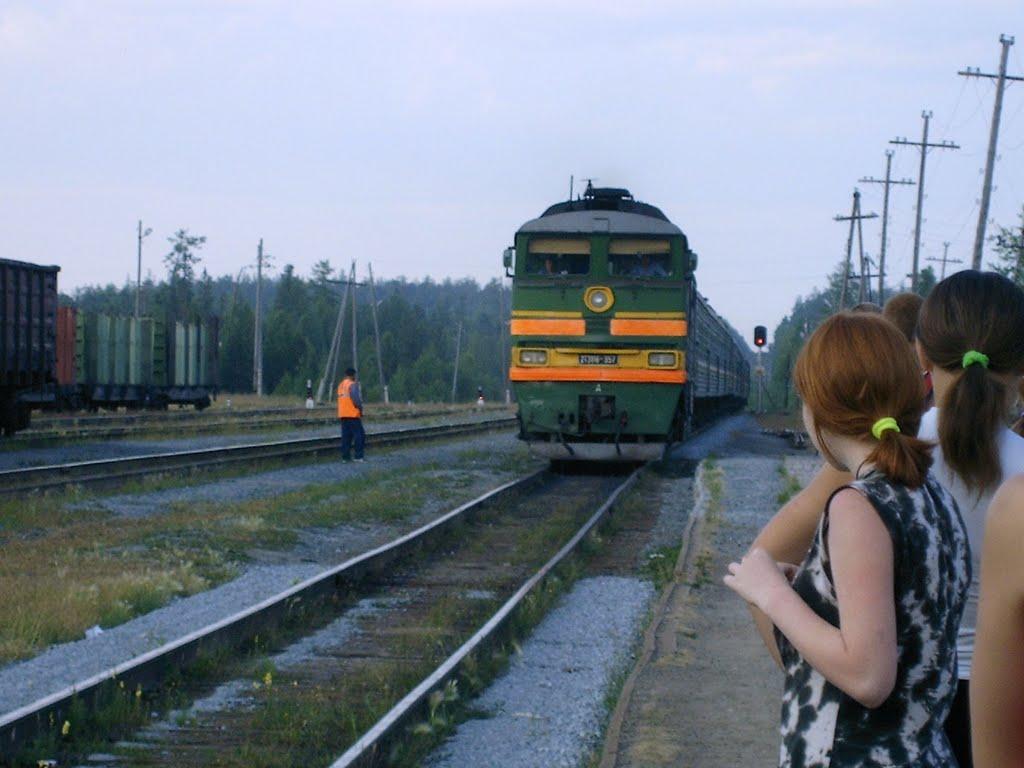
614 353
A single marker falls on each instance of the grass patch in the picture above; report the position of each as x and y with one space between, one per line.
77 568
659 566
791 486
714 483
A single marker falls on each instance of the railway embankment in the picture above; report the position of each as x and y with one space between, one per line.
205 549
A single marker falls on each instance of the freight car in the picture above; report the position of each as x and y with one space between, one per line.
28 306
112 361
63 359
615 355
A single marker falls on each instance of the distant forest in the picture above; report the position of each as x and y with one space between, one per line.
419 326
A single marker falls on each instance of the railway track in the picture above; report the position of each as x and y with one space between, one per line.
65 429
107 471
500 542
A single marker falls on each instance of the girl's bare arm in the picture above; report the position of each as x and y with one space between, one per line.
788 535
859 657
997 675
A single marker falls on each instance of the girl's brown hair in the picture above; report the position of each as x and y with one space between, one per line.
854 370
979 311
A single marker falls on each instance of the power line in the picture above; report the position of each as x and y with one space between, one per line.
993 138
888 181
924 145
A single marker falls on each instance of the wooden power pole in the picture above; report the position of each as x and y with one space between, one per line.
993 139
257 340
888 181
924 146
458 347
854 218
944 260
376 336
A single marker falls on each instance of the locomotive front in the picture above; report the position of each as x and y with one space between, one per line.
599 326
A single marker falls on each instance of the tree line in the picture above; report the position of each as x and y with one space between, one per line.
419 325
809 311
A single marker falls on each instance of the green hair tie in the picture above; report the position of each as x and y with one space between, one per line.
883 425
973 356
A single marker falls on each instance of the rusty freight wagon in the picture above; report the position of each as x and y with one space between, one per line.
28 336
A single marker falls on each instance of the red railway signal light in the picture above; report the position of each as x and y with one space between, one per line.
760 336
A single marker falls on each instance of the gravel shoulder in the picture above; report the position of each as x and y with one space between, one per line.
548 709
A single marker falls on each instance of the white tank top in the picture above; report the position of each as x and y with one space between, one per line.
974 510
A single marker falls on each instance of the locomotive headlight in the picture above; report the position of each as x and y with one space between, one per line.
598 298
662 359
533 356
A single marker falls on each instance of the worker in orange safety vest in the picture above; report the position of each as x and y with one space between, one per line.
350 411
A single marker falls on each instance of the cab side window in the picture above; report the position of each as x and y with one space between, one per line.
549 257
640 258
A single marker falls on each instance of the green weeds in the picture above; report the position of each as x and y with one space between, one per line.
791 486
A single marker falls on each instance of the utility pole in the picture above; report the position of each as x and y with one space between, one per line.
257 342
993 138
355 340
888 181
945 259
924 146
501 336
458 346
854 218
864 292
376 336
138 272
333 355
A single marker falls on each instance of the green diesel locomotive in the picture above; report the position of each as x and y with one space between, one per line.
615 355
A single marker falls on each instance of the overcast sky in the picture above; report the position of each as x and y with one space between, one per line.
419 135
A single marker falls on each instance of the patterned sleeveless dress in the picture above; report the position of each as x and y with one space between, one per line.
822 727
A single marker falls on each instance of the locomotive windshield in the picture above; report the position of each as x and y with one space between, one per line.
640 258
558 257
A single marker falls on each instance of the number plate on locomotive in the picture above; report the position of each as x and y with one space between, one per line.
599 359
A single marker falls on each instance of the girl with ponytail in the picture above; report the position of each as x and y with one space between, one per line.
866 627
970 336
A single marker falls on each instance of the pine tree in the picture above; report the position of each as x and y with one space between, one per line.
1009 246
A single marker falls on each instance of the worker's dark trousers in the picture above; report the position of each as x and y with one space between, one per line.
352 429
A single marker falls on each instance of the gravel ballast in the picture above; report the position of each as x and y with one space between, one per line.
549 707
276 482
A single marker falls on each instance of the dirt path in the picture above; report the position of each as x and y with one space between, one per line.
708 695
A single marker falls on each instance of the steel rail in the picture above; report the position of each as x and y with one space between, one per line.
19 726
13 481
44 422
371 748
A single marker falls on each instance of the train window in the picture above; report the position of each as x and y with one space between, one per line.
639 258
555 257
